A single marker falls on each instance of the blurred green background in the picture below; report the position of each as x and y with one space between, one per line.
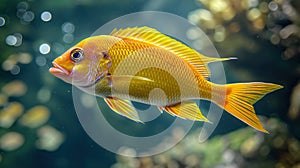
38 123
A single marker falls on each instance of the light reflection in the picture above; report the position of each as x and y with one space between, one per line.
253 14
24 58
23 5
19 39
11 40
10 113
252 3
14 40
15 70
40 61
3 99
68 27
68 38
20 13
44 95
263 7
46 16
273 6
11 141
58 48
2 21
50 139
7 65
15 88
44 48
28 16
35 117
275 39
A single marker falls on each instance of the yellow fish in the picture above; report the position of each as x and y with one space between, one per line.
104 65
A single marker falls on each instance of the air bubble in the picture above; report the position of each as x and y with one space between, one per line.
68 27
68 38
2 21
44 48
46 16
15 70
40 61
273 6
28 16
11 40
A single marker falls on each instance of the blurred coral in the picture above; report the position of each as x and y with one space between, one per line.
242 148
277 21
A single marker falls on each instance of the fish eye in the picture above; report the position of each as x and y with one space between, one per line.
77 54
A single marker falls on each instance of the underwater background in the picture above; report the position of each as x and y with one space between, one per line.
38 123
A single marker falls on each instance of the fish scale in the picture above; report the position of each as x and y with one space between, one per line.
163 75
143 65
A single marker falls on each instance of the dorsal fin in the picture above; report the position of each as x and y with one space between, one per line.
154 37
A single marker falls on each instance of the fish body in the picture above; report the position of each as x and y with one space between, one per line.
143 65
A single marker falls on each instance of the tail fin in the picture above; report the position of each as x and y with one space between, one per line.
241 96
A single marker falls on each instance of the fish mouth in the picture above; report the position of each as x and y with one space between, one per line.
58 70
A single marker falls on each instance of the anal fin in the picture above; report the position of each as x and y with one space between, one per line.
123 107
186 110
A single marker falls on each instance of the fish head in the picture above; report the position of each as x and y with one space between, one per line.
83 64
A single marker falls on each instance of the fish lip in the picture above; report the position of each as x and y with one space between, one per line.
57 69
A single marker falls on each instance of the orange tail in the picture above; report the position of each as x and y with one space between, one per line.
241 96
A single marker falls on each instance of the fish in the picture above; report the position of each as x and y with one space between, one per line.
137 64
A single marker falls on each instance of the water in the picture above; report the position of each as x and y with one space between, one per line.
38 123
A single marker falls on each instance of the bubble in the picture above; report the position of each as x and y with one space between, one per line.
263 7
275 39
35 117
11 40
273 6
2 21
28 16
19 38
68 27
22 5
15 70
58 48
11 141
40 61
44 48
46 16
68 38
20 13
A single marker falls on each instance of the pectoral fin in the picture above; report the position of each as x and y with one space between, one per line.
186 110
123 107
